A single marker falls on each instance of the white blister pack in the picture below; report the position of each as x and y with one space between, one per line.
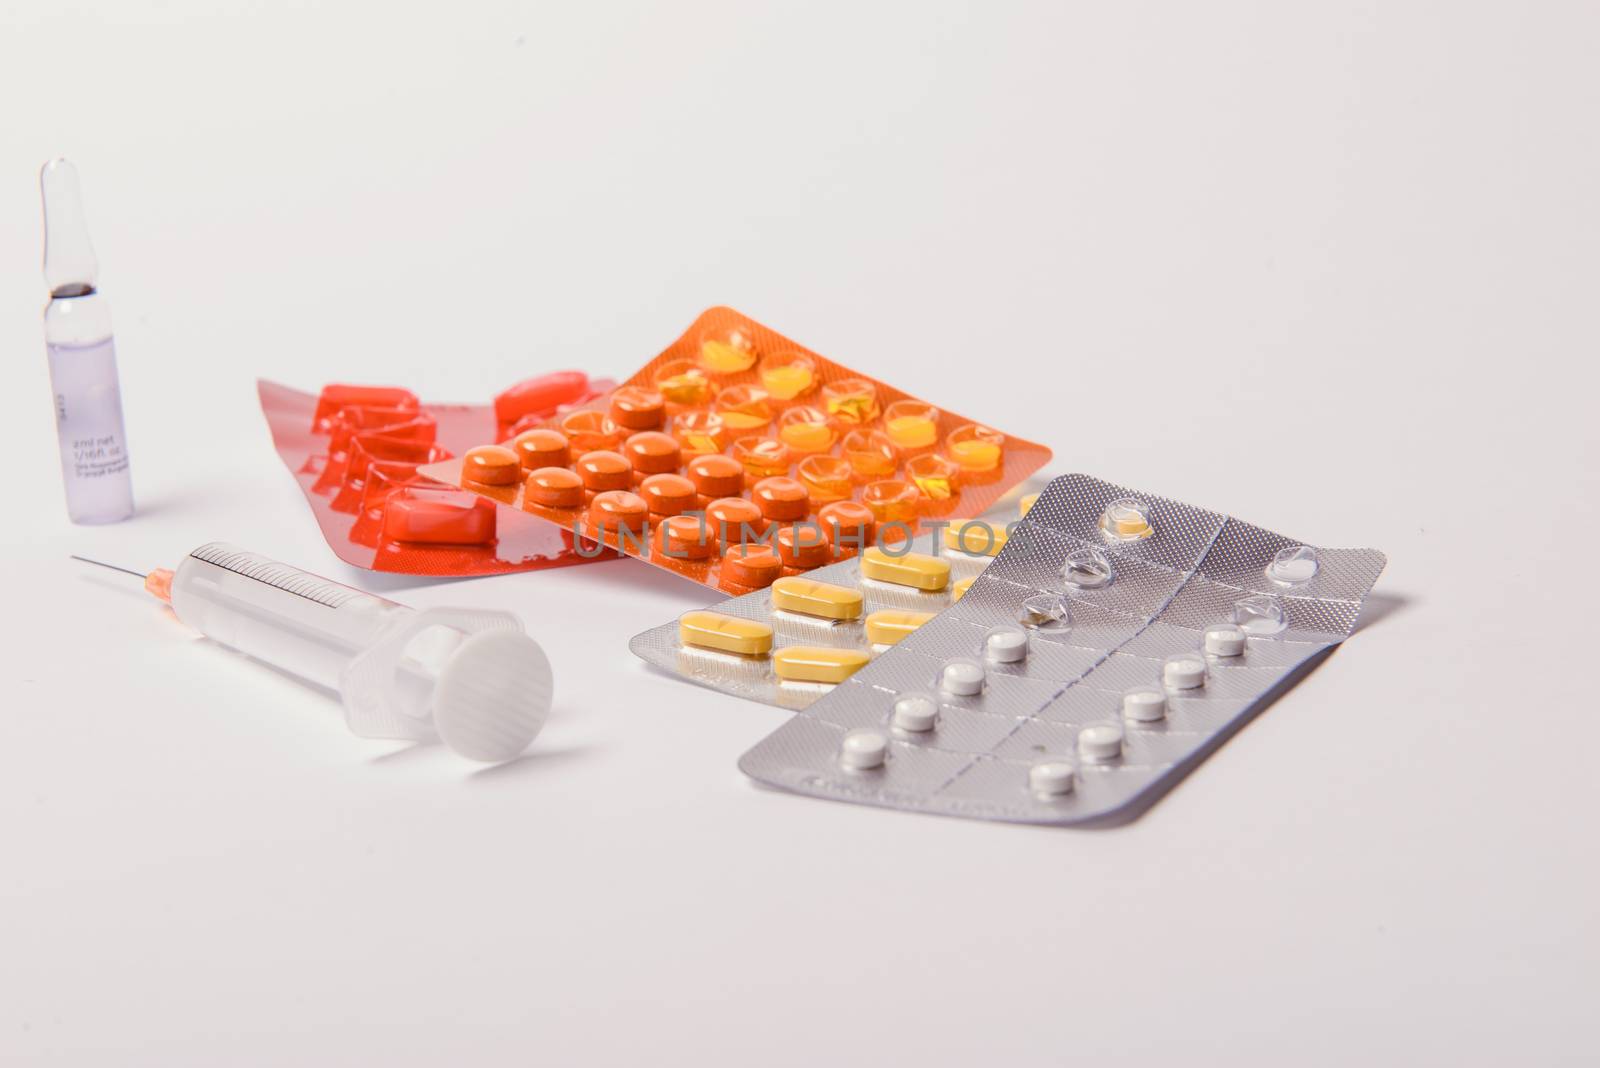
1115 641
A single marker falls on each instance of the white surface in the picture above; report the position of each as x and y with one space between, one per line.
1359 242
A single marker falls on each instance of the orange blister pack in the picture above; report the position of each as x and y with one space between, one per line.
738 456
355 451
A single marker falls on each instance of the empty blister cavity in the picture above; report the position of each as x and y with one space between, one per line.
1294 566
1052 778
917 713
1099 743
1126 519
1224 639
1086 568
863 749
1006 645
1046 611
961 678
1261 614
1184 671
1144 704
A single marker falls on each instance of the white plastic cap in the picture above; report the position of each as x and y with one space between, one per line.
1052 778
70 267
915 712
493 695
863 749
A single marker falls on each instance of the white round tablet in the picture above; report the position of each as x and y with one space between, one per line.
1100 741
916 712
1006 645
863 748
962 677
1052 778
1186 671
1225 639
1145 704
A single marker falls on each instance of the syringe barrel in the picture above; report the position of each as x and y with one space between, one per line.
300 623
469 677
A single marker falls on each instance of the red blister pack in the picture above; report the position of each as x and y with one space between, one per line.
355 452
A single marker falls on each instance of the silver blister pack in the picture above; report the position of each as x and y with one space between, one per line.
1114 642
754 676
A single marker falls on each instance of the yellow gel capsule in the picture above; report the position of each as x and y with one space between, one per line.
975 455
806 429
726 634
974 447
1026 503
812 663
728 353
959 590
786 375
796 593
976 538
911 424
911 431
888 625
917 570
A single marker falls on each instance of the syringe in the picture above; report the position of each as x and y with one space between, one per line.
468 677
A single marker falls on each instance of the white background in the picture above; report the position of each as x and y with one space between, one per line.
1330 268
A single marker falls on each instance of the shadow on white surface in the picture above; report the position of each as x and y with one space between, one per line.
534 761
1380 606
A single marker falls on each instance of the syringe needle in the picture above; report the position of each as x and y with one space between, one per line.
102 563
157 583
